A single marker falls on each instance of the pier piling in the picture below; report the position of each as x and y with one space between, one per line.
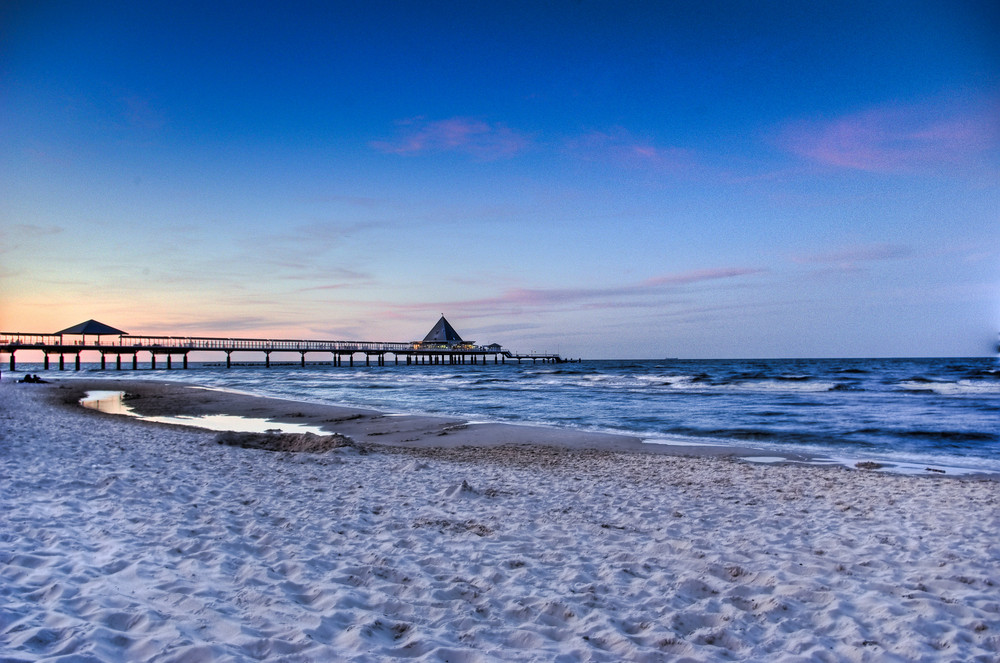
434 352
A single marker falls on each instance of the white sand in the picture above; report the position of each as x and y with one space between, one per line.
124 540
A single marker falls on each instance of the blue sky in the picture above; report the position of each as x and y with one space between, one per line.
691 179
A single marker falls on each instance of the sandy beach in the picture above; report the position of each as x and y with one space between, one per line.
429 539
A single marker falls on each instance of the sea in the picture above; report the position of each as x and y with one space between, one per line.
914 415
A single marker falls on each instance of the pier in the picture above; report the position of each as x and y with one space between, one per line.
442 346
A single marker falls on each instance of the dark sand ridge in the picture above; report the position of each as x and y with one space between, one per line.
368 427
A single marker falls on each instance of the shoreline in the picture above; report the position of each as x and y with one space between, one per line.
125 539
153 399
368 426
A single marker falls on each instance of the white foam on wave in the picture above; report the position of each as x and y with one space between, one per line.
681 441
764 459
691 383
767 386
962 387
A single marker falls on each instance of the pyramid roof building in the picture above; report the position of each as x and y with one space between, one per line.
92 328
443 332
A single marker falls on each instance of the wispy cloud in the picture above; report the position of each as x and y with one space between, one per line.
344 278
219 324
657 294
480 139
852 258
367 202
15 236
697 275
32 229
627 295
310 253
622 148
896 138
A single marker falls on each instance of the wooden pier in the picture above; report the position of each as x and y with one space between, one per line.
174 350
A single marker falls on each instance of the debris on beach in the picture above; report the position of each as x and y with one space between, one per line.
461 490
295 442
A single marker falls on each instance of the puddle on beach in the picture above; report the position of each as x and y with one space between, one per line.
908 468
887 467
113 402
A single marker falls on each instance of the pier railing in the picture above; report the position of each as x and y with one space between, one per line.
27 339
171 346
260 344
193 343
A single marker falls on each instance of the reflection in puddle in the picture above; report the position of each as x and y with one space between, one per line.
113 402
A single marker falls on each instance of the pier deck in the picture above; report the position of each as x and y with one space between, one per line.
179 347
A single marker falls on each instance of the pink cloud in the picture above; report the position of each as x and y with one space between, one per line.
895 139
695 276
610 297
656 292
480 139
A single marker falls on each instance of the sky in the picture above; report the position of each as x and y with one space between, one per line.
598 179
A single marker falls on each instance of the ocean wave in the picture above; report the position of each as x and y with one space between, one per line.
962 387
927 407
752 436
841 386
938 435
983 374
766 386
